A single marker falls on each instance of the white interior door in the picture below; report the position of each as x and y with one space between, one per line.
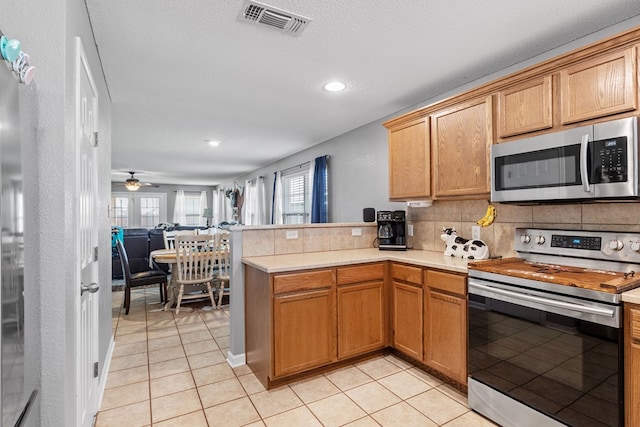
87 243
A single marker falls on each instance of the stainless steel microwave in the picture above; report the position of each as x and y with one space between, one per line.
585 163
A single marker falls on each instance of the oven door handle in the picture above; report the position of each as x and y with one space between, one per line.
545 301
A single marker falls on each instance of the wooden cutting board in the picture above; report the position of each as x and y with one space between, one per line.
598 280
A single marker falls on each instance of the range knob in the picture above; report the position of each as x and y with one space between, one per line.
616 245
636 246
540 240
525 238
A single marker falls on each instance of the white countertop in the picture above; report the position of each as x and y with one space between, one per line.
632 296
309 260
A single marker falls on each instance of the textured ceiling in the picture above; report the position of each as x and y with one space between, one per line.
180 73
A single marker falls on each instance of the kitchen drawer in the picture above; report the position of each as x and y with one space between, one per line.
447 282
285 283
360 273
407 274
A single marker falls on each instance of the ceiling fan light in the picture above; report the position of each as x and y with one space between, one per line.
132 186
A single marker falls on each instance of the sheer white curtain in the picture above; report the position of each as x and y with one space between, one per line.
249 202
254 210
219 205
261 202
179 210
276 208
203 206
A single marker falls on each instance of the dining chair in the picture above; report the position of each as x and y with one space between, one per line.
170 237
195 256
148 276
223 265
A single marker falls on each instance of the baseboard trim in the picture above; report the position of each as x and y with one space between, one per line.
235 360
105 370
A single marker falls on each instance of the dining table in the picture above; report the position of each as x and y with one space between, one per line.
169 256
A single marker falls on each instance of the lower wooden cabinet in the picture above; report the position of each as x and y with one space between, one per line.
631 364
362 309
303 331
407 309
303 320
445 324
407 319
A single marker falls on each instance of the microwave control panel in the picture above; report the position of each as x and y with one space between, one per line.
609 160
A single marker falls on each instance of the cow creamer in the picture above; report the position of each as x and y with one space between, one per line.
463 248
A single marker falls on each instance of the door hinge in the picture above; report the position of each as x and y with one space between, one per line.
95 370
95 253
95 139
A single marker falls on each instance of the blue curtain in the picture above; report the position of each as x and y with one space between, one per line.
273 198
319 205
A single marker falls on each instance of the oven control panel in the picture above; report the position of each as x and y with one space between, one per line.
602 245
588 243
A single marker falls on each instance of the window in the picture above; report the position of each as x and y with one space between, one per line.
149 212
119 211
296 206
139 210
193 209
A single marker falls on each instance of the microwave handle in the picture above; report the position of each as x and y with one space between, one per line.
584 174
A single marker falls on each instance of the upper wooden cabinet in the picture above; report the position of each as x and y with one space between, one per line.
409 160
599 87
526 107
595 82
460 143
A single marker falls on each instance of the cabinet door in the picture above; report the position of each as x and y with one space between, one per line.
409 161
599 87
445 335
632 364
361 319
407 319
525 108
304 331
460 145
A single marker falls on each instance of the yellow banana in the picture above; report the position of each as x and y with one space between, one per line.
489 216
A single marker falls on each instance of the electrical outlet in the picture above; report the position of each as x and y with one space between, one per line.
292 234
356 232
475 232
409 230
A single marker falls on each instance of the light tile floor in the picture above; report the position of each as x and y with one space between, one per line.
170 370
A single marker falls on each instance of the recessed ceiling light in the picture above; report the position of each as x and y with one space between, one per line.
213 142
334 86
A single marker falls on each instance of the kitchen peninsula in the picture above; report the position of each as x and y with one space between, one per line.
306 312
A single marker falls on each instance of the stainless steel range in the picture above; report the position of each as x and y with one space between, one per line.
545 329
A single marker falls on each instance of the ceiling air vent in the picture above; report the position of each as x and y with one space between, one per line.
287 22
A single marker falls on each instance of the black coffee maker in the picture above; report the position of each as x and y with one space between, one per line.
391 231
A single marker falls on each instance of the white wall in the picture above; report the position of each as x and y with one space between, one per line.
358 169
47 30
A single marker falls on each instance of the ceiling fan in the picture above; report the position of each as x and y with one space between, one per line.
133 184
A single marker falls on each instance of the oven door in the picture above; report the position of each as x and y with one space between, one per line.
537 359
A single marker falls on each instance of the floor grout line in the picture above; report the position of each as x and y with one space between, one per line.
191 323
